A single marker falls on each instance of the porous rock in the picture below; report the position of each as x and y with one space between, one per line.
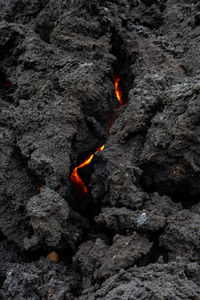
57 106
183 227
153 281
53 221
105 261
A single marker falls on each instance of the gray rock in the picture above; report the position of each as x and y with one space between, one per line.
53 221
171 142
183 228
41 279
57 106
125 220
105 261
155 280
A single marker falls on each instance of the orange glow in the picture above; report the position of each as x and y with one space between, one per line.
76 179
77 182
42 188
118 90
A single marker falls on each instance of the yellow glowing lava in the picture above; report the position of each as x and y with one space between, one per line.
118 90
76 179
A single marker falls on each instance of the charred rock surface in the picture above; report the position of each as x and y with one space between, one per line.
136 233
153 281
92 257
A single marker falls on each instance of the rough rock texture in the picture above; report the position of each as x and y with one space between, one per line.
124 252
53 222
156 209
136 233
183 227
152 282
39 280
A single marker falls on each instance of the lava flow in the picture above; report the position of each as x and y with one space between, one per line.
118 90
76 180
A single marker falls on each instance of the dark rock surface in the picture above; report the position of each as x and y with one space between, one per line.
183 227
124 252
53 222
136 234
158 281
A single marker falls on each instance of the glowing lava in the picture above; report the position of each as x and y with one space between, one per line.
118 90
76 179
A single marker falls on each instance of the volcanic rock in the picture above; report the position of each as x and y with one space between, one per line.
153 281
53 222
93 258
183 227
135 234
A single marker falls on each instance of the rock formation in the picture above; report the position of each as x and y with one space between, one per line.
136 233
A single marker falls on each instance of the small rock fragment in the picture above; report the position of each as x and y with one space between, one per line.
53 256
142 218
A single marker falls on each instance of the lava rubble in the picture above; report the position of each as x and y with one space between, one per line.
131 231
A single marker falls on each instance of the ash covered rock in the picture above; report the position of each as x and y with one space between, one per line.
105 261
46 19
152 218
17 185
57 103
124 252
162 204
153 281
183 229
42 279
20 11
9 253
170 147
53 221
125 220
123 187
88 258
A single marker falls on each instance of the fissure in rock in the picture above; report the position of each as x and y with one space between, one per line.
77 182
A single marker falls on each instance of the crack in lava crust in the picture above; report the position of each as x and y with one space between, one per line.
75 177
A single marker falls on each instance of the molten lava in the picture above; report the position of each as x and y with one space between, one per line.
118 90
76 179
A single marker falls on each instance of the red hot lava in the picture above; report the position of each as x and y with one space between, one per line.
6 85
118 90
75 178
